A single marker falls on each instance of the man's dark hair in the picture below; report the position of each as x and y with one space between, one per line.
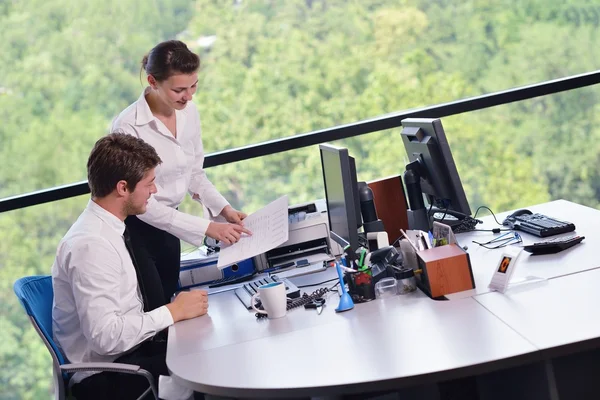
117 157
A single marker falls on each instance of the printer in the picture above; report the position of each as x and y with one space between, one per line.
308 241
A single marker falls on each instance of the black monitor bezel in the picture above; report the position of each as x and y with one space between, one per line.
349 181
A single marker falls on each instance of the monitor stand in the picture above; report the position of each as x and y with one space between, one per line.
459 222
418 219
449 220
418 215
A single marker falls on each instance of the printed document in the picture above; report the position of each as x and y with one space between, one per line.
269 227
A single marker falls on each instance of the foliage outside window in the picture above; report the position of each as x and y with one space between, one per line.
272 69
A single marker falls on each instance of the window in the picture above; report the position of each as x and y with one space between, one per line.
272 69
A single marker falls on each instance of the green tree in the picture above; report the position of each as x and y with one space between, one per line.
66 69
272 69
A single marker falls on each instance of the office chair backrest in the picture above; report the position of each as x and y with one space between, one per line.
36 295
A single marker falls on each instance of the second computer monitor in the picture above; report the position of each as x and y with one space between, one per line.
341 193
425 141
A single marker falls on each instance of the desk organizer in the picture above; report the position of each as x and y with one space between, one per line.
361 287
444 270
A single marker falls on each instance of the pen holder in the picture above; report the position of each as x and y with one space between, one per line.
444 270
361 286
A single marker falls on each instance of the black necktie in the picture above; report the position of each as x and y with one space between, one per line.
129 246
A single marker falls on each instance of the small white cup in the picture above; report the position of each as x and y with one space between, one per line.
273 299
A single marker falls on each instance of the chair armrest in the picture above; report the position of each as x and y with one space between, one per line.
101 366
114 367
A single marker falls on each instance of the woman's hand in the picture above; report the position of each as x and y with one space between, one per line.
225 232
233 216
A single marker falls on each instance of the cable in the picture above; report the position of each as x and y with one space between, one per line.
498 246
487 208
494 230
362 241
445 212
429 217
503 240
397 241
188 250
468 224
317 284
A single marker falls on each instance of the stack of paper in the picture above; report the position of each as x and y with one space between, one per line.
269 227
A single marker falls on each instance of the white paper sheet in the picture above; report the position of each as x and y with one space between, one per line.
269 227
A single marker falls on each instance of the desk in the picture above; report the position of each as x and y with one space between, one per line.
580 258
313 355
375 346
558 316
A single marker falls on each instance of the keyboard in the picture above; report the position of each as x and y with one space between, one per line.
231 280
554 245
539 225
245 292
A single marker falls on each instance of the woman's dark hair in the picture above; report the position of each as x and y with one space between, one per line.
169 58
117 157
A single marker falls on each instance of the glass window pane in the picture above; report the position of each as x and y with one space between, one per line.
530 152
66 70
508 157
270 69
274 69
29 240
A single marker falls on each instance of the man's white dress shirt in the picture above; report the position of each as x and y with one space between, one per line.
181 170
97 313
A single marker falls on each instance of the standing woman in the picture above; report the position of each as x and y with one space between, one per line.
165 117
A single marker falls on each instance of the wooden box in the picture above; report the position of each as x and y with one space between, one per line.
445 270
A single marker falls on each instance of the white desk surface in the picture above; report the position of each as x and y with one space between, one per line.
581 257
554 313
402 340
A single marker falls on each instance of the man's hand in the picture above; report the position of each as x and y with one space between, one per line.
226 233
232 215
189 305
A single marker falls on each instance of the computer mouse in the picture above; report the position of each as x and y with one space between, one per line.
508 221
521 212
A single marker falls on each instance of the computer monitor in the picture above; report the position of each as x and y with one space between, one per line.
430 156
341 194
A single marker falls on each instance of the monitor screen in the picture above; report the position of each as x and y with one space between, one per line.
425 142
341 193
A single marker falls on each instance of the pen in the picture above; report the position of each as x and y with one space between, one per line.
423 240
361 261
346 269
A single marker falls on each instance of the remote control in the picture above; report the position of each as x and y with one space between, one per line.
554 245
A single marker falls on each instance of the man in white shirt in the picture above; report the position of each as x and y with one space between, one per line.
98 311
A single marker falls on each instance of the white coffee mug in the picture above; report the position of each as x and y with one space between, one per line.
273 298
